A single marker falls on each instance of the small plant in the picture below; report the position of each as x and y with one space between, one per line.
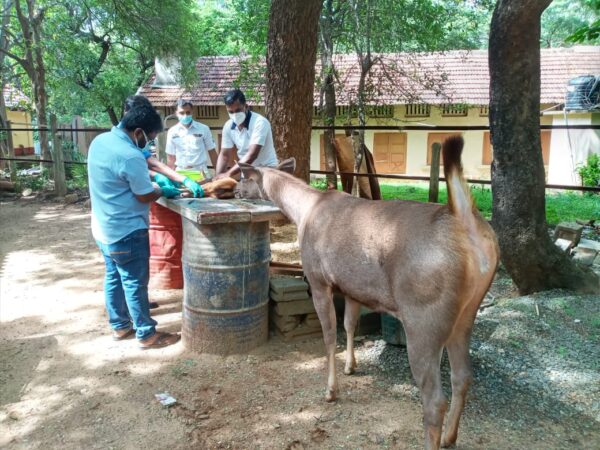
590 172
33 182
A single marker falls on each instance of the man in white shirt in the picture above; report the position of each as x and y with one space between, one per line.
189 143
247 131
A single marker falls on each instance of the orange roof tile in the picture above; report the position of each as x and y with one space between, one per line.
14 98
435 78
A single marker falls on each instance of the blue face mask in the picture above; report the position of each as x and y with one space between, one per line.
185 120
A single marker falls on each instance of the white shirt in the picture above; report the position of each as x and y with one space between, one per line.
257 130
190 145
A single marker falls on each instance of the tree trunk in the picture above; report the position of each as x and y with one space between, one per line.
6 5
519 217
328 91
41 97
291 57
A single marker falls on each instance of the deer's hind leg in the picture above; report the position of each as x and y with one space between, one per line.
425 346
351 316
323 301
461 371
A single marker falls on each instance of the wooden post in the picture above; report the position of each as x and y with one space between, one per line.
60 183
11 152
434 176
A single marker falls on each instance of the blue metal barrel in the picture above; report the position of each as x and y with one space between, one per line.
226 286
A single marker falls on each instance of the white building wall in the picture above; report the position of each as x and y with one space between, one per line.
570 148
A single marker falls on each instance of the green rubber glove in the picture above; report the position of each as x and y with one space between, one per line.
194 187
162 180
170 191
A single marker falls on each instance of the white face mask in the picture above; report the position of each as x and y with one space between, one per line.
238 117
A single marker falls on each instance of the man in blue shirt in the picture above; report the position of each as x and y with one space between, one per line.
161 173
120 192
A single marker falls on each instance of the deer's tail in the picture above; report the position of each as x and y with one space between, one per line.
459 196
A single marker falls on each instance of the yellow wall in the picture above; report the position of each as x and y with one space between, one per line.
20 119
416 156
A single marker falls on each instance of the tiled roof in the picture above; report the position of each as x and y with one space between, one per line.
14 98
433 78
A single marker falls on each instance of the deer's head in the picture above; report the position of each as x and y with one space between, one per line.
251 184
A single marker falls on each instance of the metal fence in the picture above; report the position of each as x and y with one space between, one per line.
59 137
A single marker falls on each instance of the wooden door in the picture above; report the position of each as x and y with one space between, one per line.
487 155
389 152
438 138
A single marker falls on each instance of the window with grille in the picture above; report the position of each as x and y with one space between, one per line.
417 110
454 110
484 110
208 112
380 111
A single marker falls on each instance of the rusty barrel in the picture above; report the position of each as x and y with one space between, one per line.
226 286
166 238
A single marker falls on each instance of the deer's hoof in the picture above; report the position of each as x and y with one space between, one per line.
448 442
330 395
349 370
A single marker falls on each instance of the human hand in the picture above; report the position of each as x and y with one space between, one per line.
162 180
170 191
194 187
220 176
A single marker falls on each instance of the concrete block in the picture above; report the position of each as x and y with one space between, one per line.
299 334
564 244
295 308
584 256
589 244
282 285
284 323
568 230
312 320
289 296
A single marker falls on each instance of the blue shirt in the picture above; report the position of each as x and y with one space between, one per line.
117 171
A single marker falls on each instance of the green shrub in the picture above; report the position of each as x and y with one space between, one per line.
590 172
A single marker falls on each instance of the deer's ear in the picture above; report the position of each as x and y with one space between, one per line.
248 171
289 165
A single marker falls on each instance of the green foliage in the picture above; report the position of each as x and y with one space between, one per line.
77 176
98 52
33 182
590 172
563 18
589 32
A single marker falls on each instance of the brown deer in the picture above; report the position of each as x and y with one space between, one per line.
427 264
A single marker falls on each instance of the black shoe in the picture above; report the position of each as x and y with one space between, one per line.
154 305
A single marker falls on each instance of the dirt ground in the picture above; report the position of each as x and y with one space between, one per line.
65 384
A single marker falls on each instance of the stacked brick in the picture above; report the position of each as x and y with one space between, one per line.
292 313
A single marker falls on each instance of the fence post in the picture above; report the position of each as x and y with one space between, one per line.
11 152
434 176
60 183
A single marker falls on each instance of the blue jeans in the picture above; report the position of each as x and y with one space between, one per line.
126 283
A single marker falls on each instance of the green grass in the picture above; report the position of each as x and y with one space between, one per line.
561 207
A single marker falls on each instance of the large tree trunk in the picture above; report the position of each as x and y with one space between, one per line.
519 217
291 57
328 90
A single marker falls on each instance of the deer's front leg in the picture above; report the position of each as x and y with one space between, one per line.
351 315
323 301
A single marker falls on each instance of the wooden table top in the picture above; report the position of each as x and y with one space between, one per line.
208 211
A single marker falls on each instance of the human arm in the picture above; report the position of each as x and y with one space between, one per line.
214 156
249 158
171 159
170 150
157 167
